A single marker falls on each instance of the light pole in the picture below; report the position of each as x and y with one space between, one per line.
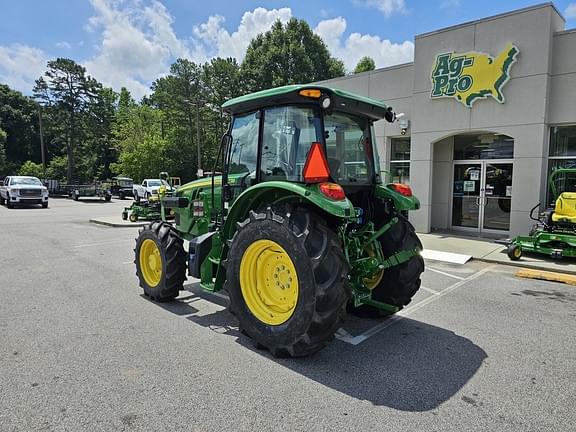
42 141
196 103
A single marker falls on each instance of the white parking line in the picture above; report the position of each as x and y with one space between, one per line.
409 310
432 269
430 290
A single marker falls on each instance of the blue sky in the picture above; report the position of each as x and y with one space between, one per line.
132 42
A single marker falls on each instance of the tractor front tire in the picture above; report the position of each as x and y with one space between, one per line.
399 284
160 261
287 281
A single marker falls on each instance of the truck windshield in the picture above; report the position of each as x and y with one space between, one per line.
25 181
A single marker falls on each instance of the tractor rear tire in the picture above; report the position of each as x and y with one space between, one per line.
304 242
400 283
160 261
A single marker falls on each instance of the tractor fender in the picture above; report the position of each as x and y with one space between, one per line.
273 191
401 202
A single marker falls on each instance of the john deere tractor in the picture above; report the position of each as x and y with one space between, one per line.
298 228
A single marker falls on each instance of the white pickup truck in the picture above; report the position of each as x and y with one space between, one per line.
148 188
23 190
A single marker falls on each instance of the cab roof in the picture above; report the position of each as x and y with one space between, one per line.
341 101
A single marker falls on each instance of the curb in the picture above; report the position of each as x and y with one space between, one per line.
526 266
547 276
119 225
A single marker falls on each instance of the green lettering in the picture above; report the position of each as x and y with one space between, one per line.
439 84
442 65
451 89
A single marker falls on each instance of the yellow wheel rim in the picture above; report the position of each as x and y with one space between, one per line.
150 263
517 252
372 282
269 282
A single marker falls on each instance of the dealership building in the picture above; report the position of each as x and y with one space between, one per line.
489 110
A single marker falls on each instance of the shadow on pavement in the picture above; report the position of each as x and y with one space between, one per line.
410 366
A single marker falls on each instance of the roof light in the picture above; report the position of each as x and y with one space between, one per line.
333 191
311 93
402 189
316 167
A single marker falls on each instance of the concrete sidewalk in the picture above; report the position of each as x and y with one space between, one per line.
490 251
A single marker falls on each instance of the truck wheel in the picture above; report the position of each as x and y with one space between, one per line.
121 195
398 284
45 204
136 197
2 200
9 203
160 261
287 281
76 196
514 252
108 198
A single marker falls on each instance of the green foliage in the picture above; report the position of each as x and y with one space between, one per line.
30 168
288 54
2 151
57 168
364 65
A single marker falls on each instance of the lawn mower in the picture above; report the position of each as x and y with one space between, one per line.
554 233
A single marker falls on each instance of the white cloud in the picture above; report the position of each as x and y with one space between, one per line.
570 11
21 65
387 7
138 44
214 40
356 45
63 44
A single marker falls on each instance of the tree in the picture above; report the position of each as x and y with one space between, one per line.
69 92
288 54
2 151
364 65
19 121
30 168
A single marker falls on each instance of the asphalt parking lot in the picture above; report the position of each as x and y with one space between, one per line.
82 349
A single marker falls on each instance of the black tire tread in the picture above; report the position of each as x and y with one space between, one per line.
400 283
331 294
174 258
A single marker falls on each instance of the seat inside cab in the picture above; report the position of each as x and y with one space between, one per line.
565 208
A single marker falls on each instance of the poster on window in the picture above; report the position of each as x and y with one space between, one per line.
475 175
469 186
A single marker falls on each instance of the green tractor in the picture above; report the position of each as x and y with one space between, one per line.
554 233
299 226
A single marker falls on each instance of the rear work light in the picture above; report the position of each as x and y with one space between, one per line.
402 189
316 167
333 191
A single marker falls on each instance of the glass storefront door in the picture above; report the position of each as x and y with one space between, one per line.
482 196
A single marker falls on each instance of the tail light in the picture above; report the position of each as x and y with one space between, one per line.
333 191
402 189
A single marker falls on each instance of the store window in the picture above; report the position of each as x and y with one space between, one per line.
562 153
483 146
400 160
